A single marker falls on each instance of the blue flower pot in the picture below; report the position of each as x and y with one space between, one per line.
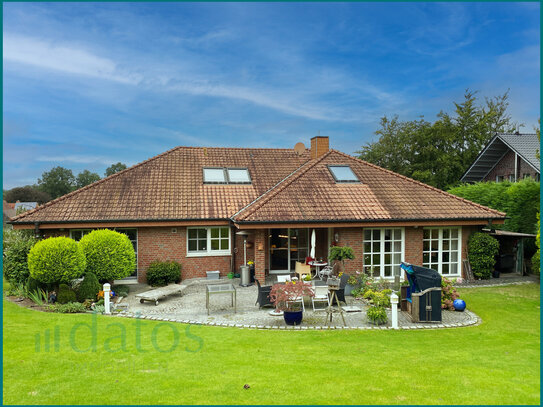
459 305
293 317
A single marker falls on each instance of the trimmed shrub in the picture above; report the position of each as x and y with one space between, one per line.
162 273
377 315
536 259
110 255
65 294
482 251
16 248
89 287
56 260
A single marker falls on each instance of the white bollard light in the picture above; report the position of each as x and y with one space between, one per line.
107 306
394 303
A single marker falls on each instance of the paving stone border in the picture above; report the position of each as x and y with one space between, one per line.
472 320
490 284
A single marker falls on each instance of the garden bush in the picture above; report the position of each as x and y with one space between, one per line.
69 308
65 294
17 245
448 294
56 260
162 273
377 315
536 259
89 288
482 251
110 255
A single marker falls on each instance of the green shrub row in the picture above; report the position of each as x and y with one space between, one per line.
482 251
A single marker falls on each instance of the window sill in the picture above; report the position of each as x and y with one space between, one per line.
210 254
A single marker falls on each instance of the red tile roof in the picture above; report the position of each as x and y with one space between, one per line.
285 187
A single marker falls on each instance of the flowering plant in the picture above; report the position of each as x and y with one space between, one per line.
283 295
250 263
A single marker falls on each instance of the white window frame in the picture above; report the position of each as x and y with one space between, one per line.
440 251
83 232
382 252
208 251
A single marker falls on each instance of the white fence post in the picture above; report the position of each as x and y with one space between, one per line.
107 306
394 303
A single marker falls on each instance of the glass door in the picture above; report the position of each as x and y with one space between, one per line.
287 246
279 243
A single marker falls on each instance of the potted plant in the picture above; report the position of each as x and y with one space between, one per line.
307 278
339 254
283 296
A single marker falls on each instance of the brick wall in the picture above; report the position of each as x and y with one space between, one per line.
506 166
352 237
413 245
261 254
161 244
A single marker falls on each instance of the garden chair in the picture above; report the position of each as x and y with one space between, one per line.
325 271
321 295
302 270
263 298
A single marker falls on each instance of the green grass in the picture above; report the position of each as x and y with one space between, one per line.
494 363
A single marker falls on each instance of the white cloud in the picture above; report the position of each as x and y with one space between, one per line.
63 58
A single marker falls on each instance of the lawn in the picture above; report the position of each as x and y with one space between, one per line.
494 363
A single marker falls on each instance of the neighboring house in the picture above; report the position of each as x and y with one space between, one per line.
188 203
25 206
8 212
507 157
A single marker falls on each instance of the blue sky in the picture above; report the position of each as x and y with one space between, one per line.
87 85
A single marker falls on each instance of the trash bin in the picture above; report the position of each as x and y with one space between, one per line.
245 276
424 293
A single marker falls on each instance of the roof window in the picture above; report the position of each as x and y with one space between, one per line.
226 176
343 173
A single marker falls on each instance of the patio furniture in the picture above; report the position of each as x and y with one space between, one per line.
221 289
321 295
340 292
302 269
283 278
263 298
325 271
424 296
317 265
158 293
330 311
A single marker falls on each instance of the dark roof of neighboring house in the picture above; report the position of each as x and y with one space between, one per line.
525 145
285 187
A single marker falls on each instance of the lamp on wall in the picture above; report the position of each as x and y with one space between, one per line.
336 237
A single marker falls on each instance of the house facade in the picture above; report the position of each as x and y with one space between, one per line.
507 157
188 204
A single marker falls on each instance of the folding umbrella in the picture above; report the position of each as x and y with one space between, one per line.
313 244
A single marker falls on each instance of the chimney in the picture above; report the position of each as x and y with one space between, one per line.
319 146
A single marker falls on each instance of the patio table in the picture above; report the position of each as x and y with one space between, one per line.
317 265
221 289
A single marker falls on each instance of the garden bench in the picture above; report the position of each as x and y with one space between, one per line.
162 292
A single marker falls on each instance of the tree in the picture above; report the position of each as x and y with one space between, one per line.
57 182
439 153
26 194
85 178
115 168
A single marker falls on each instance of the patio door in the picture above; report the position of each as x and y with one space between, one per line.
287 246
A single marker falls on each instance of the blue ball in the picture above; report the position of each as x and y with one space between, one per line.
459 305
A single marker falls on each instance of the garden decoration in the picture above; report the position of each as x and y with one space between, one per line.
459 305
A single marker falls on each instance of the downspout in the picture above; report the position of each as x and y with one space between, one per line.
516 163
37 229
234 248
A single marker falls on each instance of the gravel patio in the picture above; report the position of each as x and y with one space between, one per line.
190 307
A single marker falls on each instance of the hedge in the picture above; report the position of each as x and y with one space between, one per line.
520 200
110 255
482 251
56 260
17 245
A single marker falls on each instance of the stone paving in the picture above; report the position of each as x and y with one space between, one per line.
190 307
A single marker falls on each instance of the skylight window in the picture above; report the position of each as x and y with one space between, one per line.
343 173
238 175
214 175
226 176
